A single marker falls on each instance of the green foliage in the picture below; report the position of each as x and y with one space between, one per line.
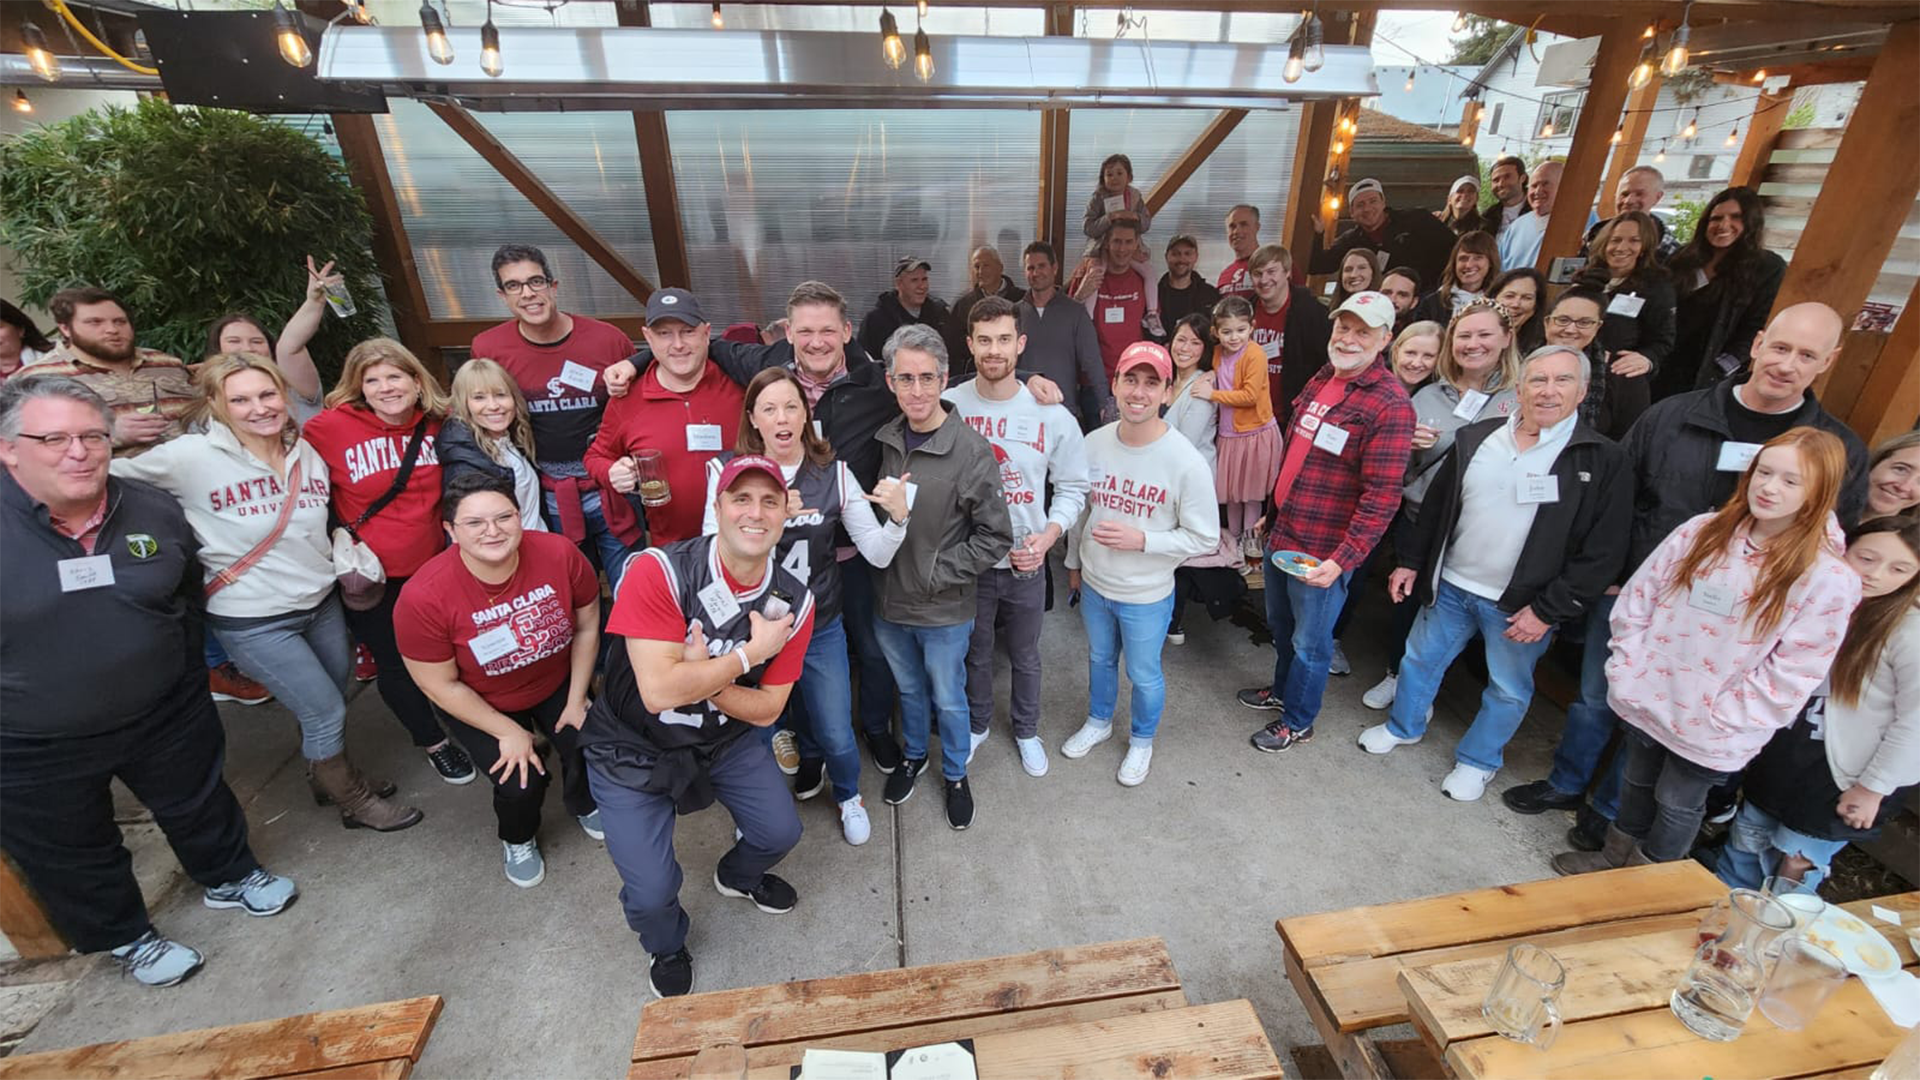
187 214
1483 37
1686 218
1800 116
1690 85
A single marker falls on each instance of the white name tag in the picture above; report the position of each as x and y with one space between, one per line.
913 492
719 602
1332 438
817 432
1115 315
1471 403
1736 456
88 572
1711 598
1115 203
1626 304
578 376
1539 489
703 436
1023 429
493 644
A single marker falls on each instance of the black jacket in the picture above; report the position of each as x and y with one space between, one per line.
1309 327
1576 545
460 453
887 316
959 358
1674 447
1733 319
849 412
1649 333
1411 238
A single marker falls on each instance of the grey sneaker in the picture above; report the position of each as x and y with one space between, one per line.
1339 665
590 824
259 893
157 961
525 867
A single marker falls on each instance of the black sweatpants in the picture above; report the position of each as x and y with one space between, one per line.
517 808
56 814
407 702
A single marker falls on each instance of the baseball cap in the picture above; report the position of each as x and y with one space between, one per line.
1154 356
1361 187
1465 181
747 463
676 304
1373 308
911 262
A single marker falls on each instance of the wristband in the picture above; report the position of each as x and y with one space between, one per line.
741 652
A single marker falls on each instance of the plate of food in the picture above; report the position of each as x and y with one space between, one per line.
1865 951
1297 563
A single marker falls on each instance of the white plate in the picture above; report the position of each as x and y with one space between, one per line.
1864 950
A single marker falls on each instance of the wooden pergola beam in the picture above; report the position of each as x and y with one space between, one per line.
1845 67
1889 401
1592 140
1193 157
655 150
1633 134
1309 199
1056 126
406 297
1763 132
515 172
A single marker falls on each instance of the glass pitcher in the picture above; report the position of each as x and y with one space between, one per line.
1738 943
1524 1003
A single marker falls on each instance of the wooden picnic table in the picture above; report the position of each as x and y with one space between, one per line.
1618 1023
1112 1010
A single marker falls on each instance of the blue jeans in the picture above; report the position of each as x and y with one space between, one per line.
600 541
305 658
1757 841
1139 631
823 718
1301 619
877 690
1590 722
216 653
930 664
1439 635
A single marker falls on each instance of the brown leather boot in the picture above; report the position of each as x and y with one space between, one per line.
1612 855
359 807
382 788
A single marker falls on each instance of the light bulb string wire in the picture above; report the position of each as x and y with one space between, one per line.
60 8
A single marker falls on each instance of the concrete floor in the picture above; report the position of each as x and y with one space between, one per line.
1219 842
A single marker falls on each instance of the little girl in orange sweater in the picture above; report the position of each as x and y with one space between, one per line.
1249 440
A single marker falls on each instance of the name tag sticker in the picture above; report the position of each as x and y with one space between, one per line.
1332 438
1626 304
1471 403
1022 429
1711 598
703 436
1115 203
89 572
913 492
1736 456
1114 315
719 602
577 375
1539 489
818 432
493 644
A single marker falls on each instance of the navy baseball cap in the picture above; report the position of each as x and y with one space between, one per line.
676 304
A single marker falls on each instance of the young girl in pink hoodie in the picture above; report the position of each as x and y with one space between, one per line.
1720 638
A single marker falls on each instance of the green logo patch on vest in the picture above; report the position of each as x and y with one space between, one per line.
142 545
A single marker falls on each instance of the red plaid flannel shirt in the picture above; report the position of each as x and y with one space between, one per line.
1341 504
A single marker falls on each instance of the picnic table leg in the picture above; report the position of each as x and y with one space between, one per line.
1356 1055
23 920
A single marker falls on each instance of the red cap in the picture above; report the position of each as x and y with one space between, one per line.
746 463
1148 353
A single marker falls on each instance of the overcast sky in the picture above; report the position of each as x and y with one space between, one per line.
1423 33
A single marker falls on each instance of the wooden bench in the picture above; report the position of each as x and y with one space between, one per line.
371 1042
1345 965
1108 1010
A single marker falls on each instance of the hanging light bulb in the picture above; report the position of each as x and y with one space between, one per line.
1459 21
1546 130
923 8
1296 60
438 46
1733 137
38 54
1314 55
1676 59
490 48
1466 140
20 102
891 47
286 32
1662 155
1619 133
1693 126
719 20
358 9
922 55
1642 73
1409 86
1760 76
1649 32
1339 148
1333 202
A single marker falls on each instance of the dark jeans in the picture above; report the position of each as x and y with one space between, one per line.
1590 721
639 826
374 629
515 806
877 689
1663 797
1300 618
1008 609
56 814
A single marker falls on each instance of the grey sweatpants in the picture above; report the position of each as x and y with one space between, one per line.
1010 610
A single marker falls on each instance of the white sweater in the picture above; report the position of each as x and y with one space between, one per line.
1035 445
232 499
1875 742
1163 489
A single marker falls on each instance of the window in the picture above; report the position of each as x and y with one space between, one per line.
1701 167
1562 110
1499 110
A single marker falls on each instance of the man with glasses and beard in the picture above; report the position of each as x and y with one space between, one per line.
150 392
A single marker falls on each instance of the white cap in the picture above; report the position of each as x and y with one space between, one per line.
1361 187
1465 181
1373 308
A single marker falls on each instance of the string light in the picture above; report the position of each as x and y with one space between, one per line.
1648 33
490 46
1339 147
358 9
1676 60
1296 60
20 102
1466 140
891 47
38 54
1409 82
286 32
1693 126
923 8
1546 130
1733 137
719 20
1459 21
438 46
1314 55
1760 76
1662 155
1333 202
1619 133
922 55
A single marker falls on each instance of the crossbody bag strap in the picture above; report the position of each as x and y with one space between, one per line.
227 576
407 462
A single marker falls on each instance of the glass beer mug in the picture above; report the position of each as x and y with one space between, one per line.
1524 1003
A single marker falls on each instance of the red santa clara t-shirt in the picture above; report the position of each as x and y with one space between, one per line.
363 455
511 641
1118 308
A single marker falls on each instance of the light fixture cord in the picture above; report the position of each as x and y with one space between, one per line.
60 8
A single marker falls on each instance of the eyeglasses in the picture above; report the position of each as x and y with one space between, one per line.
536 283
502 522
1564 322
59 441
924 382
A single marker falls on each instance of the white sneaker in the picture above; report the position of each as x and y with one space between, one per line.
1379 740
1339 664
1133 768
1089 736
1033 756
975 738
853 821
1381 696
1466 782
1176 637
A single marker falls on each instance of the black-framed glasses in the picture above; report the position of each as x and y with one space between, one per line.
537 283
1566 321
59 441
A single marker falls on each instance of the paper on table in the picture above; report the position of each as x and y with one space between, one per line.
1899 995
843 1065
944 1061
1886 915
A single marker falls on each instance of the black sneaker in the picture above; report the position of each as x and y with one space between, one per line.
452 763
886 752
811 780
671 974
1589 832
959 803
1260 697
1277 738
1537 798
772 895
900 783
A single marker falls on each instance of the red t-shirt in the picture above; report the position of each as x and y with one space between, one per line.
1235 281
652 416
512 642
646 608
564 413
1300 441
1117 310
363 456
1270 333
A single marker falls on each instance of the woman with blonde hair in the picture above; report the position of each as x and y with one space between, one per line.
488 431
256 495
378 436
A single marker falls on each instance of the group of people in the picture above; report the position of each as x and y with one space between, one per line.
772 517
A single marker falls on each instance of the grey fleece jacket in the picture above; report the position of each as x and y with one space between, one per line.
957 527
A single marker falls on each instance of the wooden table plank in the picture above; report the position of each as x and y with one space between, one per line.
269 1048
1355 1055
897 997
1503 912
788 1054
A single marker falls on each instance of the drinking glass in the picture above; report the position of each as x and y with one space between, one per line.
1524 1002
338 298
1716 993
1803 978
1904 1062
1020 538
650 478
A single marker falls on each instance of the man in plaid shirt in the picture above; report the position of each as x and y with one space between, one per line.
1339 487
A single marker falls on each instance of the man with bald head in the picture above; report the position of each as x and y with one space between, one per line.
1641 188
1687 453
989 278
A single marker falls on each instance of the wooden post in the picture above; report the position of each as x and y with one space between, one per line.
24 921
1195 155
1872 182
1633 133
1889 402
655 151
1592 140
1763 133
406 297
1469 130
1306 197
1055 125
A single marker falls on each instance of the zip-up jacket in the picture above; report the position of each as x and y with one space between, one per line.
957 527
889 314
